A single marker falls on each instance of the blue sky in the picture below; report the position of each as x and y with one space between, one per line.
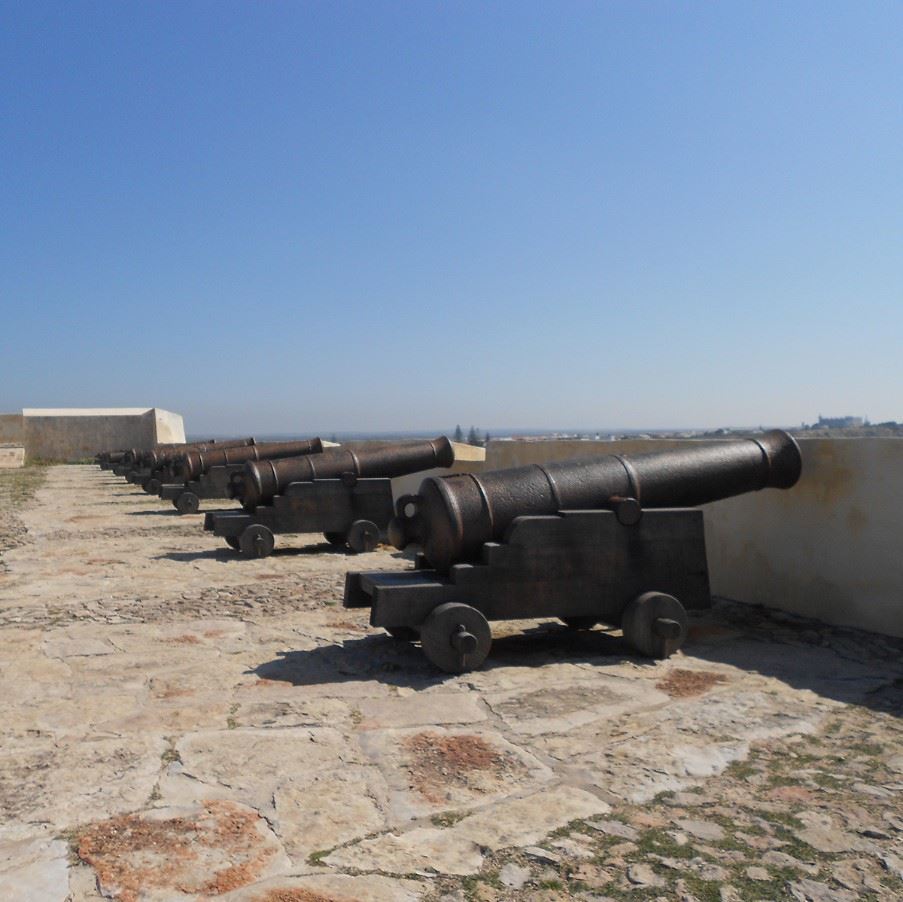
303 217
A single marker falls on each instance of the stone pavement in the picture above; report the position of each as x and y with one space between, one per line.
180 723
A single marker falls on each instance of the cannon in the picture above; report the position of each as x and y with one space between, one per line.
166 453
346 495
194 463
155 467
614 539
106 460
259 483
128 460
215 480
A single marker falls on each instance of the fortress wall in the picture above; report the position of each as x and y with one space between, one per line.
12 429
71 434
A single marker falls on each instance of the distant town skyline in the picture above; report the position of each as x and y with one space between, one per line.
374 217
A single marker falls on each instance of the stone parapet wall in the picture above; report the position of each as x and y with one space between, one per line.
12 429
68 434
11 457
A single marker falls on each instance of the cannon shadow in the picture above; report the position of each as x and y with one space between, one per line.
386 660
845 665
157 512
839 663
226 553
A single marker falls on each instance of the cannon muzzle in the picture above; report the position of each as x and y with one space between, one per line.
452 516
259 482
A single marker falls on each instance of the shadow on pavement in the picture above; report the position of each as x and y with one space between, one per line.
384 659
227 553
845 665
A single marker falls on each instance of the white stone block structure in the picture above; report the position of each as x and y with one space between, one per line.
71 434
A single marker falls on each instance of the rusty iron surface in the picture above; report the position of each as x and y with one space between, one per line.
194 463
453 516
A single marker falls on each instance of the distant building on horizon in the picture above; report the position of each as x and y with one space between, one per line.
839 422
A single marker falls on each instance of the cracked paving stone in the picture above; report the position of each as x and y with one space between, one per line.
170 854
459 849
615 828
34 870
328 888
514 875
643 875
813 891
707 831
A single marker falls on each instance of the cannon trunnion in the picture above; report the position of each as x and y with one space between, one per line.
584 567
348 511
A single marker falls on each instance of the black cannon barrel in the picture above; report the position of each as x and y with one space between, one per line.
456 514
259 482
159 453
162 454
140 456
109 459
191 465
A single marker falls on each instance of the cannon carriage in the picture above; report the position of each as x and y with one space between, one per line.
349 512
615 540
186 497
151 468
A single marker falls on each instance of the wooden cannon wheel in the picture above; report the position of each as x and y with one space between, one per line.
363 536
456 637
233 542
187 503
256 541
655 624
335 538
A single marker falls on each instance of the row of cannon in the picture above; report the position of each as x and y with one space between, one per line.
613 539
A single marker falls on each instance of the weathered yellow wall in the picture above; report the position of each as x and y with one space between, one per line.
12 430
827 548
169 427
11 457
73 434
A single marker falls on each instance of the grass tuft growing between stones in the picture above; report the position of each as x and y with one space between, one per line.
17 488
